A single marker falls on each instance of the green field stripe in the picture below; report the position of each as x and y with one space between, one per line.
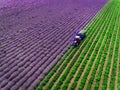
104 56
118 64
97 52
119 67
98 78
83 78
110 53
116 55
113 67
89 53
102 63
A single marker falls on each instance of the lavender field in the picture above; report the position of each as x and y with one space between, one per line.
35 34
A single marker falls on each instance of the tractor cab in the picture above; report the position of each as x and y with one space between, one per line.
77 37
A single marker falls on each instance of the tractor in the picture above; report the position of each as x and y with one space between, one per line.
77 37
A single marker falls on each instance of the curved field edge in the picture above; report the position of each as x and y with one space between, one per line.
105 62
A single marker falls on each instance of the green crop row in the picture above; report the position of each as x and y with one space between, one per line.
93 56
100 70
117 51
112 32
101 43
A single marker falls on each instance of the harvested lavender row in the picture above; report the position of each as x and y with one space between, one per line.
34 34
